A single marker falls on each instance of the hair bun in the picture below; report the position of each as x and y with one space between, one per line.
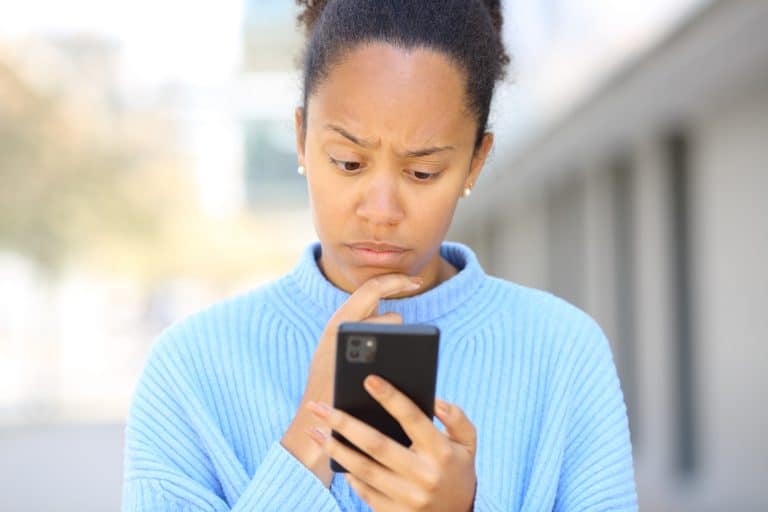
310 12
312 9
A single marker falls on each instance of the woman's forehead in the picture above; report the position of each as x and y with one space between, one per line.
381 88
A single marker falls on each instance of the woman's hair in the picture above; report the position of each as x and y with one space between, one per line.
468 32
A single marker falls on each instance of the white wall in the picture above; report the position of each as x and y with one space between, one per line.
731 287
61 468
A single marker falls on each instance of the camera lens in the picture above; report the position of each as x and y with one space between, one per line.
354 354
355 342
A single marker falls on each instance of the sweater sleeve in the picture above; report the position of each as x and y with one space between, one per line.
597 471
175 460
281 483
483 500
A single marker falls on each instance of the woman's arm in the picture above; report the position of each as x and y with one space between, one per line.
176 458
280 483
596 472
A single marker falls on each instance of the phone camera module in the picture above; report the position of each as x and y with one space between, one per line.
361 349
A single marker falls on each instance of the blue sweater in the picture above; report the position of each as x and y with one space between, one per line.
534 374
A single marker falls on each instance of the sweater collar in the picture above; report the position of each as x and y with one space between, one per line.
422 308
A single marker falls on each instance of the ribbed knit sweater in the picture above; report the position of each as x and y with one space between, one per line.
534 374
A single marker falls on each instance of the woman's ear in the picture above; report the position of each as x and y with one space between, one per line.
478 159
300 138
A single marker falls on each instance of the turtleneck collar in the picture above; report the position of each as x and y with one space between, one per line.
422 308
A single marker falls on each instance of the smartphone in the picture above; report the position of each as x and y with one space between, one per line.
404 355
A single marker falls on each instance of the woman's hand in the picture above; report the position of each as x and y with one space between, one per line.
437 472
361 306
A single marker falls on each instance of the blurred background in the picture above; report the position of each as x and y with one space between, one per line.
147 169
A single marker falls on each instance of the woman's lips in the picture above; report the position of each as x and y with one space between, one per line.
376 257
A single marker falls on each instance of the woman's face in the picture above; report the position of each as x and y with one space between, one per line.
389 151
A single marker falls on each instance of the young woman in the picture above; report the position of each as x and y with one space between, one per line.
232 408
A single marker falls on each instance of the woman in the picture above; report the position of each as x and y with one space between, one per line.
231 410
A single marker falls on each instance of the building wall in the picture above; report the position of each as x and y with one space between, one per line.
731 287
61 468
662 236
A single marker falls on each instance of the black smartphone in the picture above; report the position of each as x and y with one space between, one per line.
404 355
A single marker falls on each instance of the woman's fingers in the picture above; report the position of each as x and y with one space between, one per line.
417 426
386 318
369 494
387 451
391 486
457 425
364 302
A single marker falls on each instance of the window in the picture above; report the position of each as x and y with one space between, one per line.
624 284
677 149
566 259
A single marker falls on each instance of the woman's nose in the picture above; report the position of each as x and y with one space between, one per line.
380 203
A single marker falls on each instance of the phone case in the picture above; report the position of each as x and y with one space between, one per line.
405 355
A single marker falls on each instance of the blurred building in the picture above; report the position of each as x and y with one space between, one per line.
270 39
270 91
645 205
237 126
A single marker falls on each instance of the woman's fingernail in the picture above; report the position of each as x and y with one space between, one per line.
316 434
374 383
320 409
441 408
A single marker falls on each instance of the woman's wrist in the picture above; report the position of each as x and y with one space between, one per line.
298 443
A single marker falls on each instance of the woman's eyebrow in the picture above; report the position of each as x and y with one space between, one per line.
367 144
344 133
424 152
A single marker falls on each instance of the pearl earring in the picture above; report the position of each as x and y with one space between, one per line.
301 170
467 191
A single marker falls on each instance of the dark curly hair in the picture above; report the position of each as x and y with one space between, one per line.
467 31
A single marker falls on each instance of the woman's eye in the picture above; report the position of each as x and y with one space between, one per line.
351 167
425 176
344 165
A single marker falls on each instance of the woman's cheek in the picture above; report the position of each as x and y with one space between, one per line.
329 200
